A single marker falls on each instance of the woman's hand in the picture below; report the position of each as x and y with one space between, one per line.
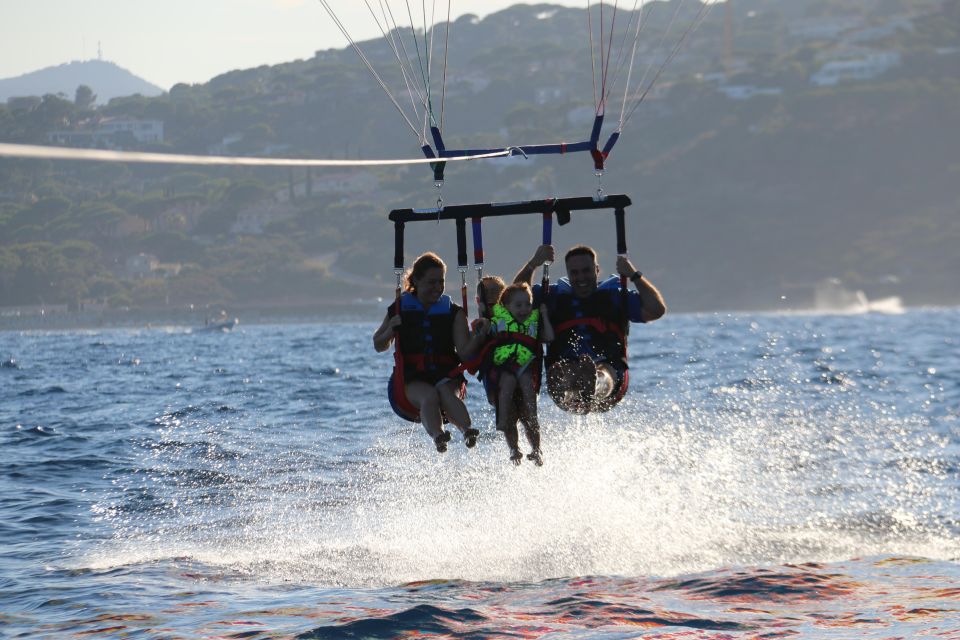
383 336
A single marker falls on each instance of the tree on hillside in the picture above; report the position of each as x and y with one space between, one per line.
84 98
23 104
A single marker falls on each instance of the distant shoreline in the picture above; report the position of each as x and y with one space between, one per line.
192 319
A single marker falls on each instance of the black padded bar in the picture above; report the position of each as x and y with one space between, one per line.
398 245
562 206
621 232
462 242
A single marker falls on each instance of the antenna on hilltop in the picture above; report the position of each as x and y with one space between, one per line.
99 51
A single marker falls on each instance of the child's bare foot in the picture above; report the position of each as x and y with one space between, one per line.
441 441
536 456
470 437
515 456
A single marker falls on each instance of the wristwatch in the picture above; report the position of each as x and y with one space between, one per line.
636 276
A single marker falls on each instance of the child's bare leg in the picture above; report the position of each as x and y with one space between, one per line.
532 423
456 412
507 418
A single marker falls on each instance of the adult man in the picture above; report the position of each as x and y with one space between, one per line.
587 362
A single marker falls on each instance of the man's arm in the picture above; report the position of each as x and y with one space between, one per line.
543 254
652 305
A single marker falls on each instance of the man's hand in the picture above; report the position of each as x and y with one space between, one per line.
624 267
542 256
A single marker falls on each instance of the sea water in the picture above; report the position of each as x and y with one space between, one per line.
766 476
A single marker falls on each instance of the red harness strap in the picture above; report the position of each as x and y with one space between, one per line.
473 364
603 326
399 383
623 387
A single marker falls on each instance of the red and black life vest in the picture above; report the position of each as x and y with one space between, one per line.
595 324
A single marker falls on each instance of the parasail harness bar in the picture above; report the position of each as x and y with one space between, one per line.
561 207
440 152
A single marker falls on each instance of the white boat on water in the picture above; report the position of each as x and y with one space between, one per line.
831 296
218 325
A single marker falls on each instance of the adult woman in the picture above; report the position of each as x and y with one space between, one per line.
432 340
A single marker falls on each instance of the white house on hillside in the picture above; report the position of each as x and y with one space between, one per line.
823 28
252 222
142 130
110 132
747 91
862 68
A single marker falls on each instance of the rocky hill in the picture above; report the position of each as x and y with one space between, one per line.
107 80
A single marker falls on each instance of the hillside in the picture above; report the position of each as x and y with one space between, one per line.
107 80
751 182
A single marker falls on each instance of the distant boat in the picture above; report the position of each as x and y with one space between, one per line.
831 296
218 325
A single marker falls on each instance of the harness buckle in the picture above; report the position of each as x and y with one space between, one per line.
439 185
599 197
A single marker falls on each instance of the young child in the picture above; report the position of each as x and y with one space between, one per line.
488 294
518 331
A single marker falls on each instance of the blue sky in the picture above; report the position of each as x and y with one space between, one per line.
170 41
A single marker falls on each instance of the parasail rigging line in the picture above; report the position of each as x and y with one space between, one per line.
606 73
446 48
416 44
698 20
622 49
389 38
650 65
404 61
431 30
641 22
371 69
606 66
40 152
593 58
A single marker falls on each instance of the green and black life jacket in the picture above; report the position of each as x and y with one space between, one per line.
514 342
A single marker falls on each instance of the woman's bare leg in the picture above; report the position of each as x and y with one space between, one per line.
427 398
456 412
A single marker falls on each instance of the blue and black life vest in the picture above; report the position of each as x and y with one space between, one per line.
426 337
595 324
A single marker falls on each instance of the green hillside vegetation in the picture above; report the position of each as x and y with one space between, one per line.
737 202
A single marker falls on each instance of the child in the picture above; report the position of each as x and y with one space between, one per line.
516 364
488 294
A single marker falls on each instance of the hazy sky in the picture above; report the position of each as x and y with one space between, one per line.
170 41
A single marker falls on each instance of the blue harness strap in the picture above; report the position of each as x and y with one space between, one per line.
592 145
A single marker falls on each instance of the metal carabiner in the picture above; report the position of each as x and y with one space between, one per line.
439 185
599 196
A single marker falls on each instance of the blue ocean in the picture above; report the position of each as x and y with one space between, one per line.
767 476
